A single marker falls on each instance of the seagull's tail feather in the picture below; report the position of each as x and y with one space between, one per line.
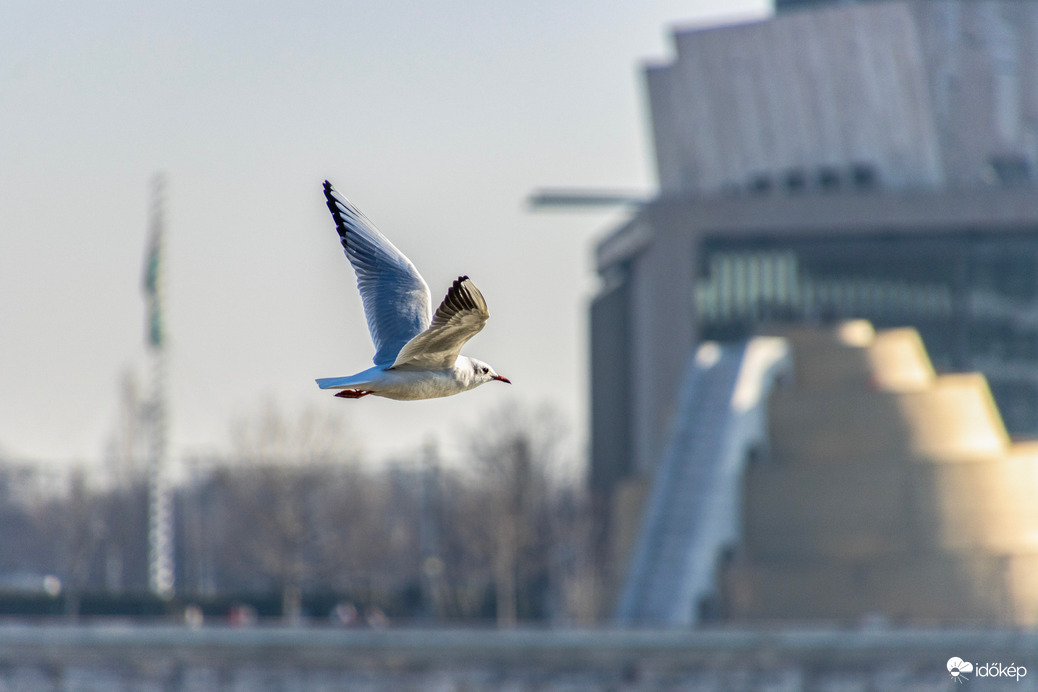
352 381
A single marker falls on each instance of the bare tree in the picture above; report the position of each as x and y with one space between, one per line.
574 571
123 474
282 466
126 447
512 450
76 522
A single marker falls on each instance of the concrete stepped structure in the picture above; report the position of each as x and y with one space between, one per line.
889 493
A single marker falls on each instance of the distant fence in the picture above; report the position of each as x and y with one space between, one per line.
265 659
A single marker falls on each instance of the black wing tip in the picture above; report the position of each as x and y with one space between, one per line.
333 207
461 297
329 192
458 288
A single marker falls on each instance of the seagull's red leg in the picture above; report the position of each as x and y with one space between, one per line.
353 393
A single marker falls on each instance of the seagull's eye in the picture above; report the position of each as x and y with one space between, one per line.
485 371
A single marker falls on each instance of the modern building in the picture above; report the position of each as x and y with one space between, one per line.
841 161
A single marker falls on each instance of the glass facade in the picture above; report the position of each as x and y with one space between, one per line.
974 299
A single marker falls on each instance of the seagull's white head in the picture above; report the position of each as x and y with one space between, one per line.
483 373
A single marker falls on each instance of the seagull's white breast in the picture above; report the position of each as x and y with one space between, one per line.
408 385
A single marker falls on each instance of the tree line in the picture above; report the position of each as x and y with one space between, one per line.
293 515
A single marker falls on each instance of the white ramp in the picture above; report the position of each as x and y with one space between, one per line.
692 512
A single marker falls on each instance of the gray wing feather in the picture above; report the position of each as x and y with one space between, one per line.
396 298
460 317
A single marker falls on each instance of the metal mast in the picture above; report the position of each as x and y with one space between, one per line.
160 506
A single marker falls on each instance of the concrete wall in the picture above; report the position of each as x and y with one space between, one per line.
177 659
662 309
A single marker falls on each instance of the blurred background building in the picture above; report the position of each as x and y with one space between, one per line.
837 161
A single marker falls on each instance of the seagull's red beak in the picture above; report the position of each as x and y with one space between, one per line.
499 378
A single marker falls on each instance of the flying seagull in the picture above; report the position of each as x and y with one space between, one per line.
417 352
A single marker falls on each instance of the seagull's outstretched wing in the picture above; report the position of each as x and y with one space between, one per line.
459 318
396 297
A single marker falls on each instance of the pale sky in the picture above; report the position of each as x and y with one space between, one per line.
435 119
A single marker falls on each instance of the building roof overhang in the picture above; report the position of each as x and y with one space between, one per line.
977 211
